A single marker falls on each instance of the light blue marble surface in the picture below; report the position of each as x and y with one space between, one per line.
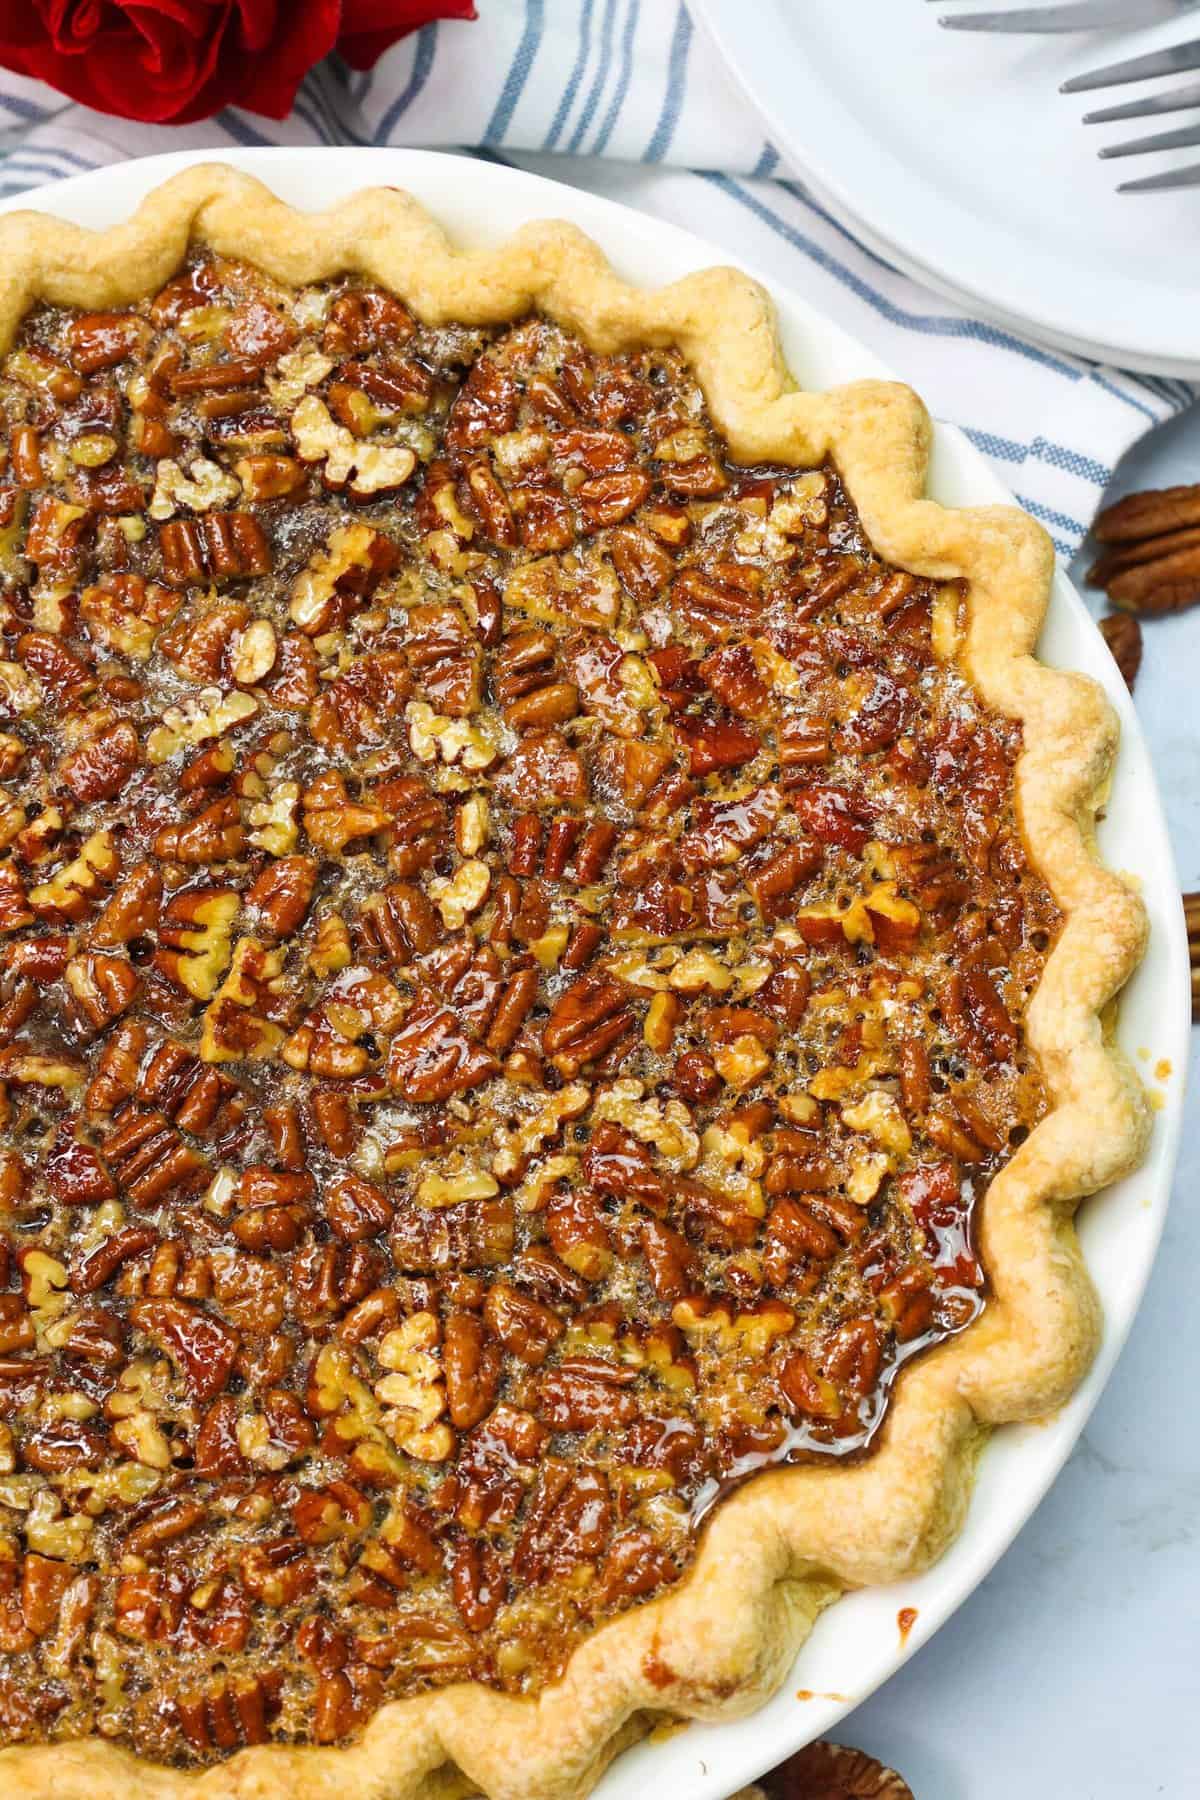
1073 1673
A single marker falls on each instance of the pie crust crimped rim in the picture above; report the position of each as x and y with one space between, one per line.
789 1542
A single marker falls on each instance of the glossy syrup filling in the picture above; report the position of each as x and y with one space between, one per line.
514 944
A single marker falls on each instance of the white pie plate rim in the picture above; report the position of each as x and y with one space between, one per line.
856 1644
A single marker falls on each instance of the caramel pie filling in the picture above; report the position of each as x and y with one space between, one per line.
513 943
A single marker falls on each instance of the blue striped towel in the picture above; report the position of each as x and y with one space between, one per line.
622 97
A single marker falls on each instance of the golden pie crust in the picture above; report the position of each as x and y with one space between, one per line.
792 1540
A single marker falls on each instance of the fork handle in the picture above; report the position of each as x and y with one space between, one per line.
1070 16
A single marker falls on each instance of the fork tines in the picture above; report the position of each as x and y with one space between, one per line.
1151 106
1090 15
1173 61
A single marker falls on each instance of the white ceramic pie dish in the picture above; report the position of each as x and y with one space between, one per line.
857 1644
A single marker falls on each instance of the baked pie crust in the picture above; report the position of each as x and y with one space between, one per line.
789 1541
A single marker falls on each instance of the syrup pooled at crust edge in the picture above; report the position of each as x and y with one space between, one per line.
514 942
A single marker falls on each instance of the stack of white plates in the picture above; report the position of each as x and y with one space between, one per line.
955 157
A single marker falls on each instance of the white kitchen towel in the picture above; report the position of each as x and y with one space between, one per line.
626 98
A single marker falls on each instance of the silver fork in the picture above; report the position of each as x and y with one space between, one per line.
1075 15
1094 15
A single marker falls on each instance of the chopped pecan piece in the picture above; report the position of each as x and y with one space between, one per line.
713 743
567 1522
586 1394
99 770
527 685
200 1344
472 1361
432 1058
825 1770
149 1158
444 658
586 1021
1123 635
226 546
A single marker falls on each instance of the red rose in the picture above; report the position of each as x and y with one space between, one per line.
170 61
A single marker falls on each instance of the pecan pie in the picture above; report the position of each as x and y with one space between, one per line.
547 951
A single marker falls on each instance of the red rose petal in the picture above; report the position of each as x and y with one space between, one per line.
369 27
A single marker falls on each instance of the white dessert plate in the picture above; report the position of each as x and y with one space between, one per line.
857 1644
955 157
